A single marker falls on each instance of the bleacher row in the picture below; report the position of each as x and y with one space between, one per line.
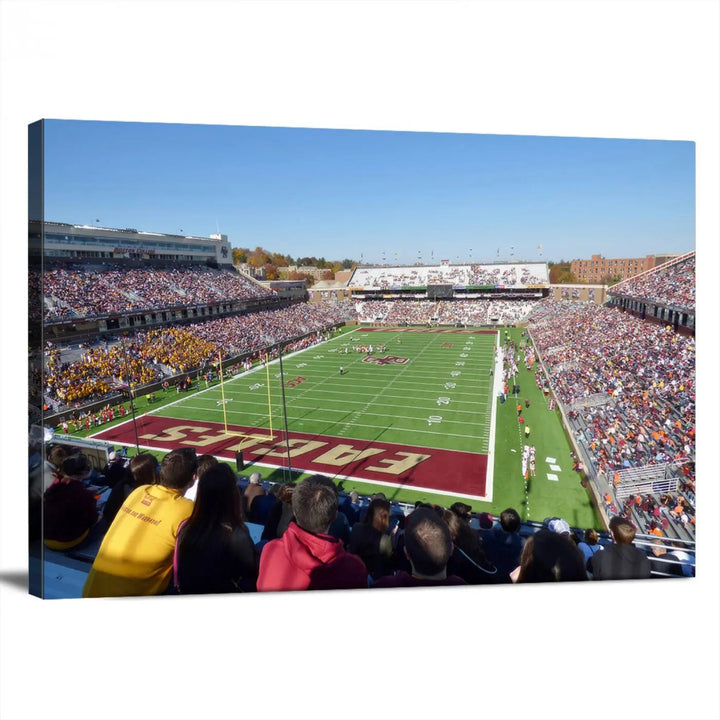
64 572
87 291
672 284
474 274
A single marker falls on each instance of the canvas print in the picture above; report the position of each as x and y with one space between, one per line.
268 359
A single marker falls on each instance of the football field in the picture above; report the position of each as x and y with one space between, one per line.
412 408
414 414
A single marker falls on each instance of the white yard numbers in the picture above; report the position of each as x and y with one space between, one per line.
434 419
455 373
301 365
443 401
449 385
257 386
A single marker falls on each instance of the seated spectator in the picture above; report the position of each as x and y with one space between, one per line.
549 556
69 507
372 540
252 490
116 469
428 547
351 507
621 560
205 462
136 555
260 508
143 471
306 557
589 546
214 550
665 562
468 560
56 453
280 514
504 544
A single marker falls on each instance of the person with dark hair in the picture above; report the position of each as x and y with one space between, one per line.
428 547
143 471
69 507
204 463
549 556
372 541
468 560
116 470
589 546
51 468
280 514
306 557
214 551
621 560
136 555
503 544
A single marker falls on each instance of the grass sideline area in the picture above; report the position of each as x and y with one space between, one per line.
391 402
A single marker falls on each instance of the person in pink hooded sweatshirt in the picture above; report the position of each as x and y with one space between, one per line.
306 557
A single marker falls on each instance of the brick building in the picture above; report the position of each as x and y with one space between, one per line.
599 269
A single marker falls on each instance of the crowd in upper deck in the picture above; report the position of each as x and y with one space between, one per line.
671 284
84 291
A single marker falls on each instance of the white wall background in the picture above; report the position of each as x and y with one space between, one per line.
609 69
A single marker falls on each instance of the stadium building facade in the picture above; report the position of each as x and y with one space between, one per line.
599 269
87 242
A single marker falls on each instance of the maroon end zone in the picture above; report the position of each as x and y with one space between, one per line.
444 471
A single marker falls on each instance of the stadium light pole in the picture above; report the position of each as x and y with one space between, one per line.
130 390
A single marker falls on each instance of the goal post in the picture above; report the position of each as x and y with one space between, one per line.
236 433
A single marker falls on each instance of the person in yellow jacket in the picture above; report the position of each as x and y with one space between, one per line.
136 554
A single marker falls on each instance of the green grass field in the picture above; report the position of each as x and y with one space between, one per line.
441 398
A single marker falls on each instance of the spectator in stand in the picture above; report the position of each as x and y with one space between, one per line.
428 547
549 556
204 463
504 544
664 562
306 557
116 470
621 560
589 546
56 453
136 555
143 470
468 560
252 490
351 507
214 550
280 514
69 507
372 540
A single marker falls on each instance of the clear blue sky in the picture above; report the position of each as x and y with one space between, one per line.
342 193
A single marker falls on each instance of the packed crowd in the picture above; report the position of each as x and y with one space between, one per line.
181 527
645 372
154 354
89 292
444 312
672 284
512 275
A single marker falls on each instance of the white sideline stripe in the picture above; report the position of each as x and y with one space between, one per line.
556 468
494 386
552 477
